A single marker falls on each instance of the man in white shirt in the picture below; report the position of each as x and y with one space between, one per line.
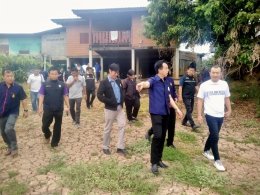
77 89
215 96
34 81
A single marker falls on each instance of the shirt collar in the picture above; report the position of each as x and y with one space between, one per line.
10 85
157 78
110 79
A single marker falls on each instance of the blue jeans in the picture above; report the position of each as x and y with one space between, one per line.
8 132
214 124
34 100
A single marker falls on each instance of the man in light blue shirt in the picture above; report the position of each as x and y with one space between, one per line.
110 92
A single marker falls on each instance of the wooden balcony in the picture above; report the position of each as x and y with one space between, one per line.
111 39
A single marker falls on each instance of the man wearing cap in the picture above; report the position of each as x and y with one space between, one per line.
110 92
132 97
159 110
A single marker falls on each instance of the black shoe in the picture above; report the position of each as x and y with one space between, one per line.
185 124
194 127
135 119
106 151
154 169
148 136
171 146
121 151
54 145
162 165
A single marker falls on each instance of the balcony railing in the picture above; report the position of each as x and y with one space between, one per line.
111 38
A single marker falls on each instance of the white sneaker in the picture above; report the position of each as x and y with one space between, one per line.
208 155
219 166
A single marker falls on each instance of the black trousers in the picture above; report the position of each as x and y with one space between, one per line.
189 104
47 119
75 115
132 108
170 128
89 100
159 126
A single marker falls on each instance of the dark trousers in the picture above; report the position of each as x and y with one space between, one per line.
47 119
189 104
159 126
7 130
170 128
98 75
132 108
75 115
214 124
89 100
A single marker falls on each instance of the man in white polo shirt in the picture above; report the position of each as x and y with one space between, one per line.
215 96
34 81
77 89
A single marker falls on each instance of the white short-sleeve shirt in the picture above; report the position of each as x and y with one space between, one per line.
214 94
35 82
75 91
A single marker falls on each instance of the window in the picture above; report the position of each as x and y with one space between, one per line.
24 52
84 39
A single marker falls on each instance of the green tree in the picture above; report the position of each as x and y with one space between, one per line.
230 25
20 65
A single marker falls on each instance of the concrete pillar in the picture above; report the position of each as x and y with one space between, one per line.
176 64
44 62
133 59
137 72
90 57
102 68
68 62
90 52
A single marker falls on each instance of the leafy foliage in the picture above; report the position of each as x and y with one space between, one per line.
230 25
20 65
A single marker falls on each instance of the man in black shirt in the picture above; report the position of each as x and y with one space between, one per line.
52 94
187 91
90 86
132 97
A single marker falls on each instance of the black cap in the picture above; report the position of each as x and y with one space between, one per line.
193 65
130 72
114 67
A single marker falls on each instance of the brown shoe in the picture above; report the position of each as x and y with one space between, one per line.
8 152
14 153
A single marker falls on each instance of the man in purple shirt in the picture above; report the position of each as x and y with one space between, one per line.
159 111
11 94
52 94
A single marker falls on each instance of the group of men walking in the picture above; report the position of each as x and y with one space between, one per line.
213 94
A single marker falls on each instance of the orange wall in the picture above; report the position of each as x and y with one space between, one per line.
138 39
73 46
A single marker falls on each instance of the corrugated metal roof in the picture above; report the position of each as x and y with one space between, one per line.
88 12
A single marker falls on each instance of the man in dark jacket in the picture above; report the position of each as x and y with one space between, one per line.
110 92
52 94
132 97
90 86
187 90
